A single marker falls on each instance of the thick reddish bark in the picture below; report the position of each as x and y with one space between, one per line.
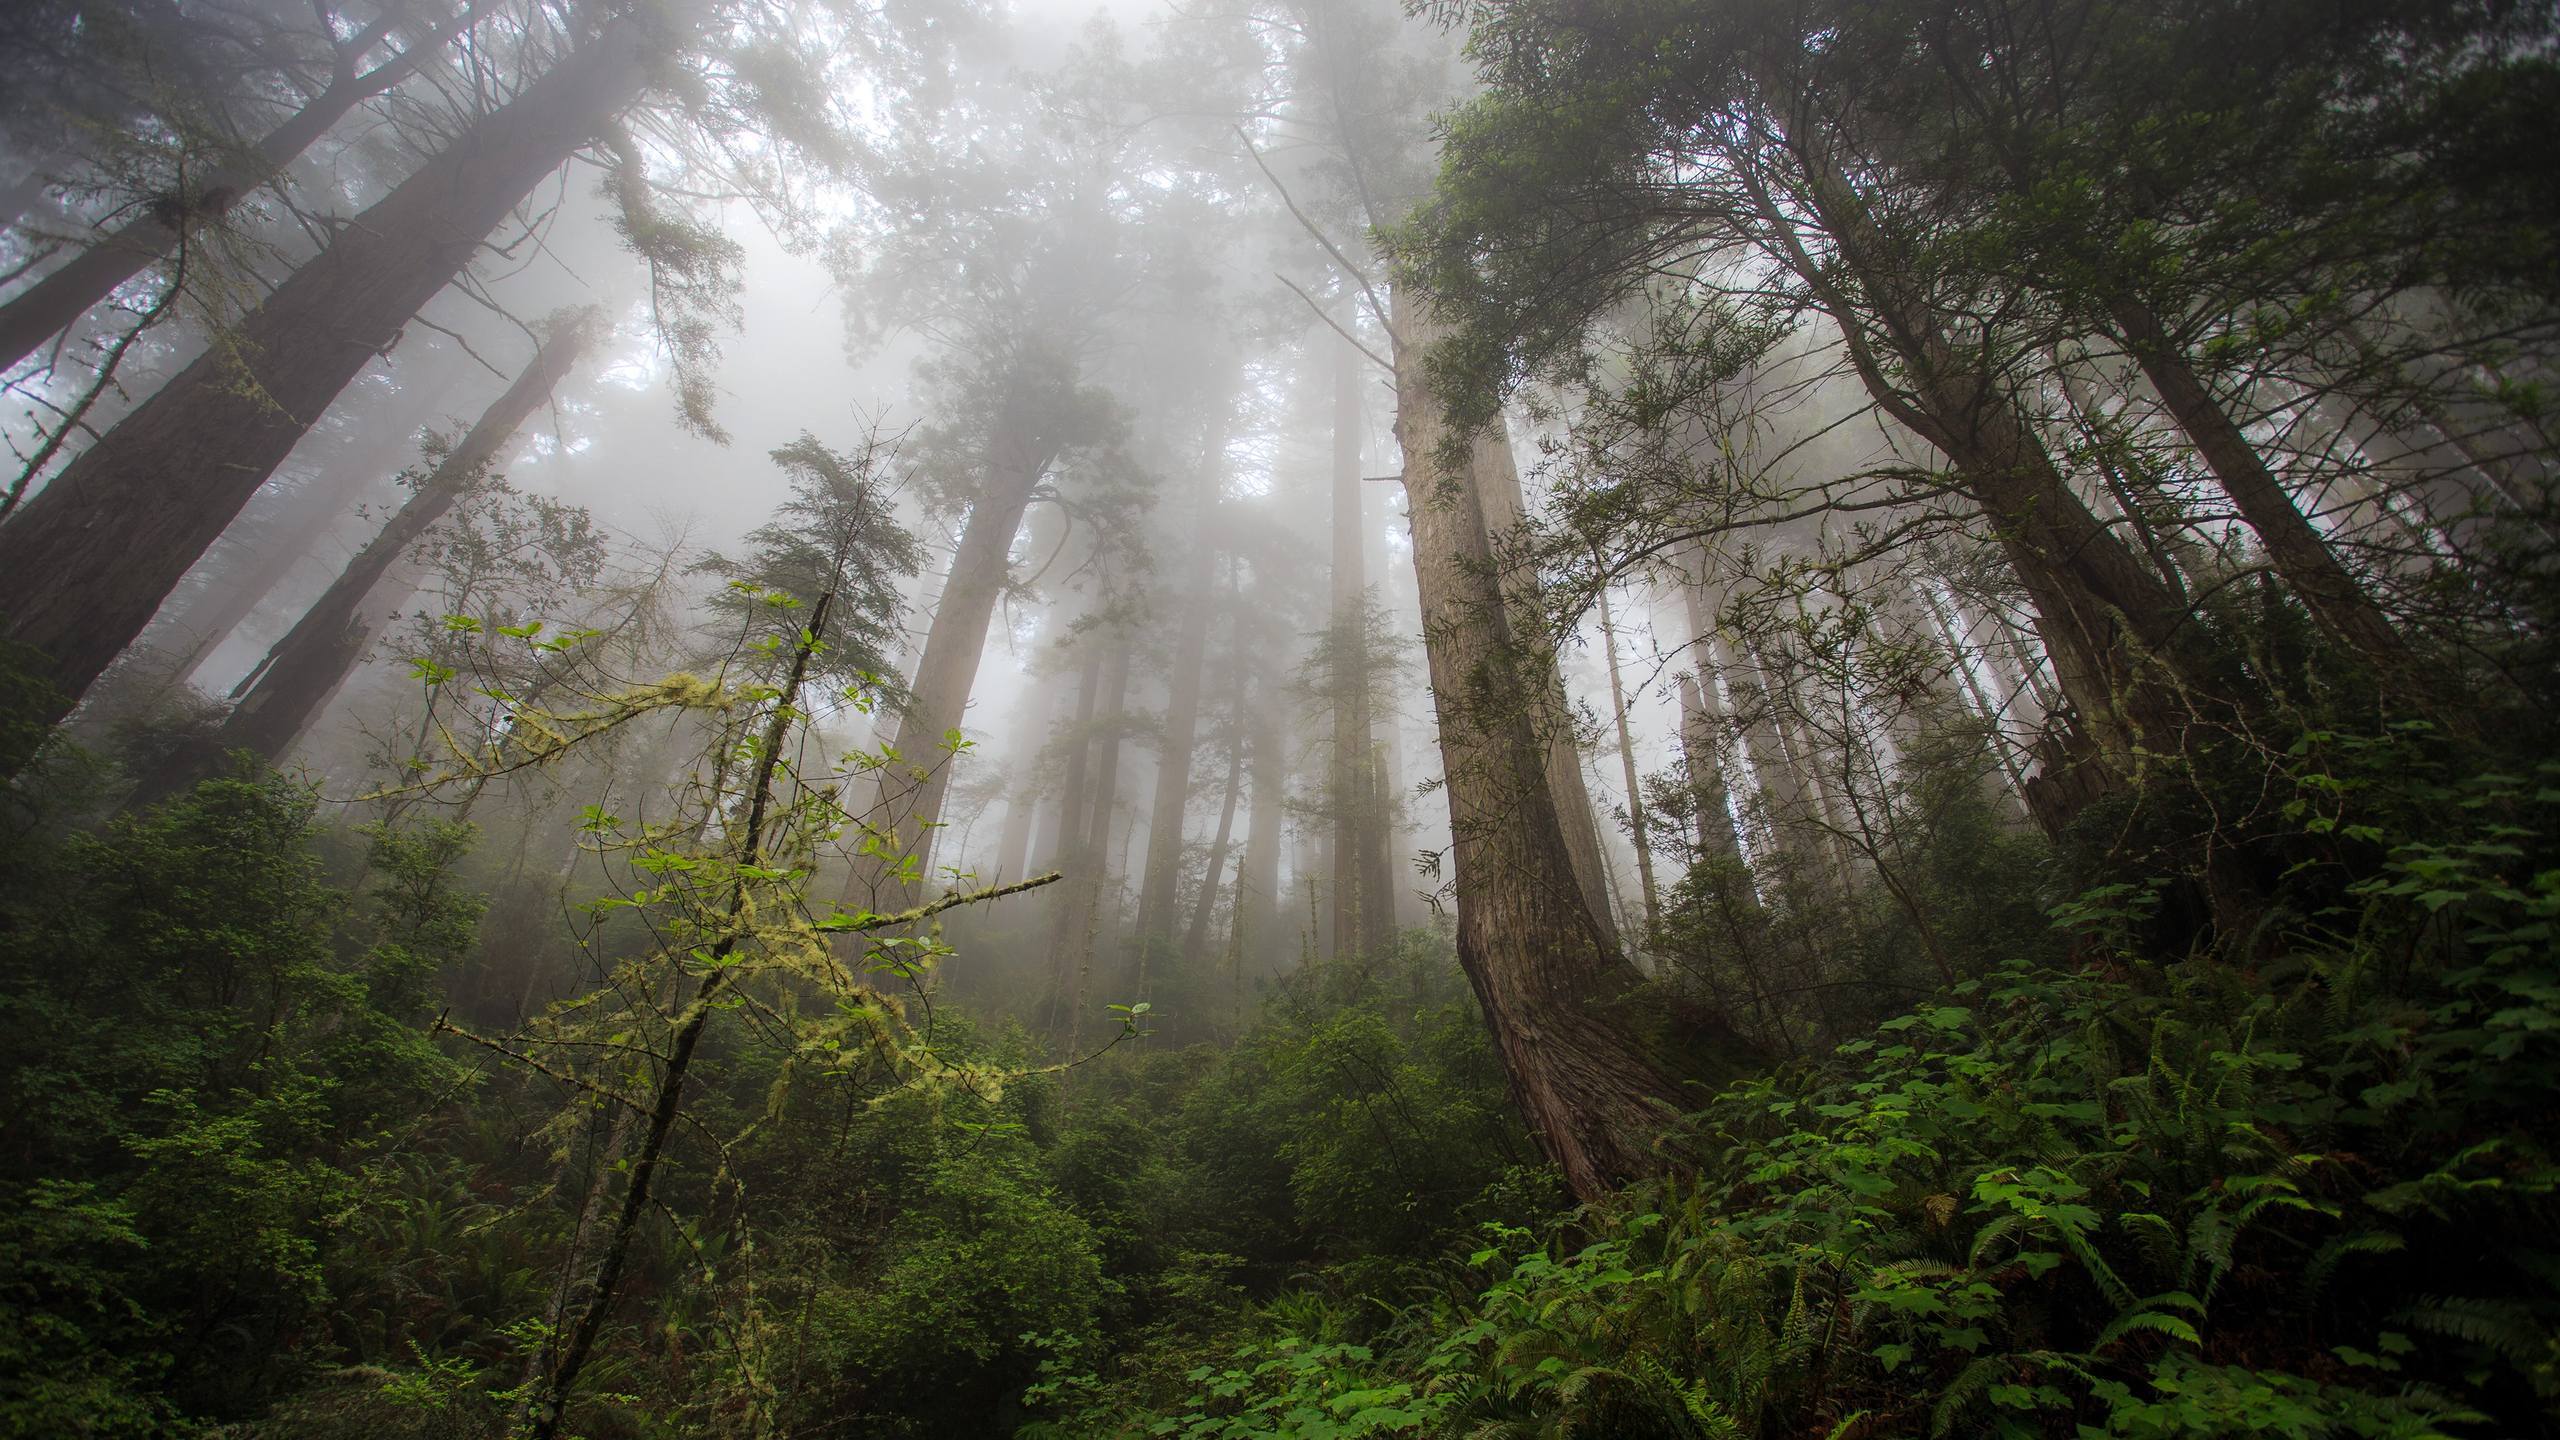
87 561
1544 970
1496 478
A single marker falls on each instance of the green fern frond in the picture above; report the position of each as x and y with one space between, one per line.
2507 1329
1962 1391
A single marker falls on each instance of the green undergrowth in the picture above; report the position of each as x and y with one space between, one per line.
2309 1195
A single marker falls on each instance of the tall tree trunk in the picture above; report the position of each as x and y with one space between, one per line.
1075 795
1701 740
54 303
234 596
2129 656
1362 912
1496 478
1627 765
1013 847
88 560
912 788
2172 557
1092 869
1258 902
1931 626
1541 963
1779 785
303 669
1161 878
2336 601
1063 848
1195 940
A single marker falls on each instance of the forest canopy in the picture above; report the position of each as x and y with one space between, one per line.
1673 719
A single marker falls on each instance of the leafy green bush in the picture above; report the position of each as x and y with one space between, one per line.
2310 1196
208 1044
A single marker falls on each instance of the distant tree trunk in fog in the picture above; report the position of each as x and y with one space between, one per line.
2334 597
233 597
1162 874
88 560
1542 964
1257 922
1754 719
1410 909
1627 764
53 304
2420 434
1195 939
1013 847
912 790
1037 716
1090 865
1496 479
1702 731
1362 915
1812 756
1065 831
306 667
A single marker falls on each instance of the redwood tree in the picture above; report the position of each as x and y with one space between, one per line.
84 564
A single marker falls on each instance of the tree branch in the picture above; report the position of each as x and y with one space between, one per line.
1336 327
867 922
1377 306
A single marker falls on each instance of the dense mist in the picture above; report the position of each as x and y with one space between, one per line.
1644 717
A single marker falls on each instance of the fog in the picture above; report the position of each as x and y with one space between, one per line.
1276 718
1138 192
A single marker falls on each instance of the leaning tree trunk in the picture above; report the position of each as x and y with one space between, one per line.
306 667
912 788
1627 766
1541 964
56 302
548 1400
2130 657
234 597
2336 601
86 562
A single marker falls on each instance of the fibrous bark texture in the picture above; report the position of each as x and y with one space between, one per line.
1541 964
